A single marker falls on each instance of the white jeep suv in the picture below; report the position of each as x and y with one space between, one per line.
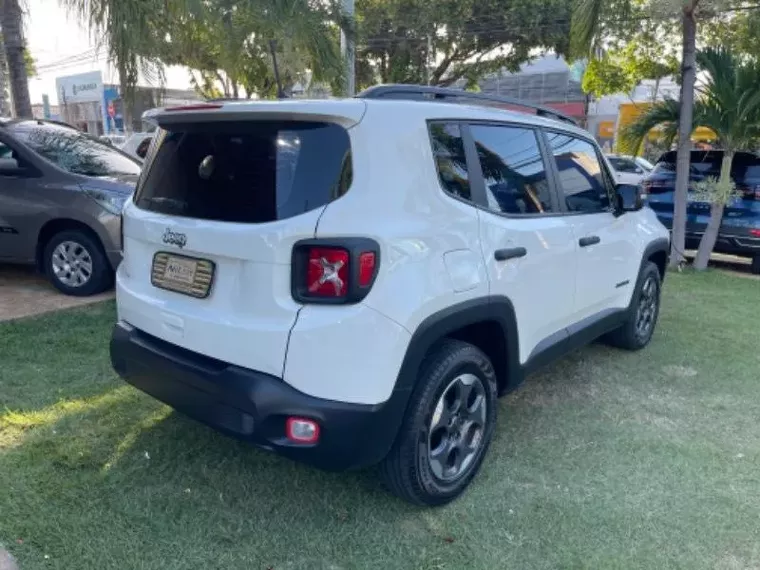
355 282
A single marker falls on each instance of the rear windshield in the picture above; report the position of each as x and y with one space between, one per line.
745 166
73 150
249 172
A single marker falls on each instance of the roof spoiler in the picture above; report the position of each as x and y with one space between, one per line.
426 92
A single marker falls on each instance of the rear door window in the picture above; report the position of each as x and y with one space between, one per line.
246 172
513 169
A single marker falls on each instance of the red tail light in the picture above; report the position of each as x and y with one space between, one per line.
335 271
755 233
327 275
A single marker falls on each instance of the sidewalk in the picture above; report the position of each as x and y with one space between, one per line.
24 293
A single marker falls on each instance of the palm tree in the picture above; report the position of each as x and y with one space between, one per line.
11 20
591 19
728 103
127 28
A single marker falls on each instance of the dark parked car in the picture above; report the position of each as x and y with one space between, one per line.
61 195
740 230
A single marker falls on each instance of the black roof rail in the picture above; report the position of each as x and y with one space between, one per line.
426 92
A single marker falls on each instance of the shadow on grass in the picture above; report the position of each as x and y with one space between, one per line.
599 461
122 463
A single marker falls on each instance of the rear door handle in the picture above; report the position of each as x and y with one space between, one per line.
509 253
590 240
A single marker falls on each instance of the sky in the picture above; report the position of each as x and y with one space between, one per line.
53 36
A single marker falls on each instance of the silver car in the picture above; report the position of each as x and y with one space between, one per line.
61 195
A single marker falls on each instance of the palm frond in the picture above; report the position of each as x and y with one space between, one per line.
585 25
663 115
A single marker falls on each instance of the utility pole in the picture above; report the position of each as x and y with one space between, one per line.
347 47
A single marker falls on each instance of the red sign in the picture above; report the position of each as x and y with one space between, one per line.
111 109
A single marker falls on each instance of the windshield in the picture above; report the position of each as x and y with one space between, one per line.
644 163
73 150
245 171
623 164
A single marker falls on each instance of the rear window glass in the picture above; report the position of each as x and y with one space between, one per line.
74 151
745 166
623 165
248 172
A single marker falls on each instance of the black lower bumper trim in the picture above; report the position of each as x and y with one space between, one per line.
253 406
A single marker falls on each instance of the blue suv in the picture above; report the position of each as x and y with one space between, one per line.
740 230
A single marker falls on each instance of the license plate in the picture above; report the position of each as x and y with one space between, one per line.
182 274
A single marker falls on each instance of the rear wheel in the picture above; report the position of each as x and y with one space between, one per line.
755 267
448 427
639 327
76 265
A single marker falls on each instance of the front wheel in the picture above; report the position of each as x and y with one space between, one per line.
76 265
448 427
639 326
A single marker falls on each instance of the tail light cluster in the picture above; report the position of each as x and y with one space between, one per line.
334 271
655 186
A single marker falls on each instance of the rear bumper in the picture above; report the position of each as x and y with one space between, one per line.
738 242
253 406
732 239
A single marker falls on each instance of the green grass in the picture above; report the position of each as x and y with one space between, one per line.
605 460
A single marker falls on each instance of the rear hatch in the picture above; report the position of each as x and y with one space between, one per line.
659 188
208 240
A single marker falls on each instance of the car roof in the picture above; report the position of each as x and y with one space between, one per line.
352 110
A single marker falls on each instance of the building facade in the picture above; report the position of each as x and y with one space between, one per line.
98 108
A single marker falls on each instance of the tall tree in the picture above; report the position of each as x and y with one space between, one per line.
11 20
685 127
229 44
444 41
595 20
128 28
728 103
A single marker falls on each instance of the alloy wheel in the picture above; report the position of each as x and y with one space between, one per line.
72 264
646 312
457 427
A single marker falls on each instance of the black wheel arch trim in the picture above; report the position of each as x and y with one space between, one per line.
660 245
498 309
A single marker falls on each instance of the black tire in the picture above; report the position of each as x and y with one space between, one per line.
101 275
631 335
755 267
409 470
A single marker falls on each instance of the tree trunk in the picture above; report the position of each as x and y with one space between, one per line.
707 243
127 99
13 40
5 103
685 127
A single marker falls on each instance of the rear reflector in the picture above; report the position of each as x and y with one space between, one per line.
366 268
198 107
301 430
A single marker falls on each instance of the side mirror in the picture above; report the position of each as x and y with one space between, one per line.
629 198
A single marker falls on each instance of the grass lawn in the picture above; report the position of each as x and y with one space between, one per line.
605 460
